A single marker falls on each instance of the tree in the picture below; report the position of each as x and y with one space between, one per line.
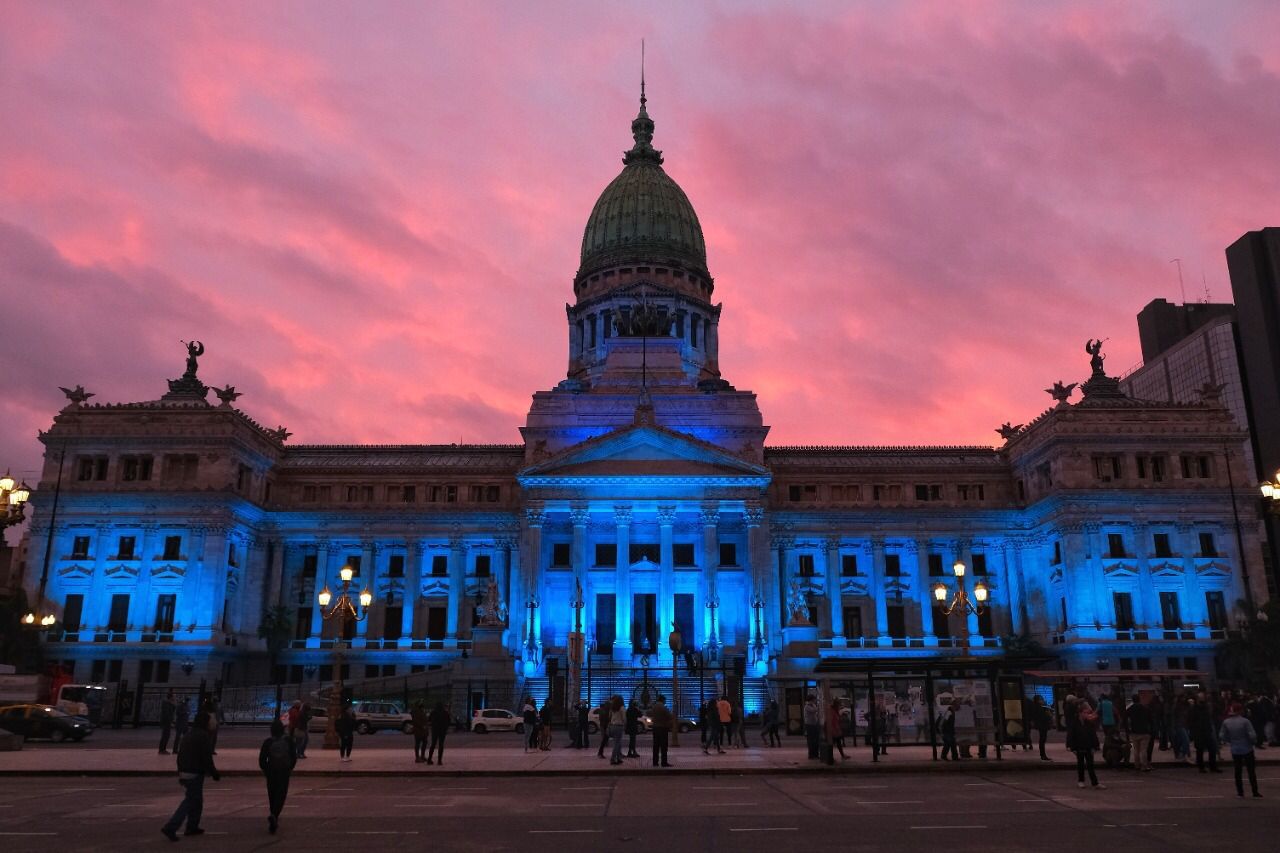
19 643
1251 657
277 629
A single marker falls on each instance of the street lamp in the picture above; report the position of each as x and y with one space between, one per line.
977 606
676 642
344 610
13 500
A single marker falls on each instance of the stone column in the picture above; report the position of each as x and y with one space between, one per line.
834 599
457 584
1011 586
138 612
710 517
412 593
325 552
964 552
756 558
1078 567
189 599
622 584
516 597
368 578
918 551
778 584
579 518
254 582
1195 611
533 575
213 581
876 552
666 582
275 581
1146 610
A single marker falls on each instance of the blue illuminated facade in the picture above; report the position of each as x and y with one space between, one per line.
642 497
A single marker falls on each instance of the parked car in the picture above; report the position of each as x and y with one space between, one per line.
496 720
319 719
684 725
372 716
44 721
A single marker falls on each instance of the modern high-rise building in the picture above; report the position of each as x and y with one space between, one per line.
641 507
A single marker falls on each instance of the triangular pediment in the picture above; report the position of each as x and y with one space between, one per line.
643 450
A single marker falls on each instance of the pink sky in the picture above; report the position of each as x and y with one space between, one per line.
371 213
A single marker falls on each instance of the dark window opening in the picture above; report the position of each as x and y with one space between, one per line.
849 564
1160 543
439 565
979 563
560 555
166 606
935 565
892 565
483 565
607 556
682 554
395 566
1115 545
728 554
80 546
806 566
1208 547
172 548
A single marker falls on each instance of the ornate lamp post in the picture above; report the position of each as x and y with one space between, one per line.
759 653
531 643
961 601
344 610
676 642
13 500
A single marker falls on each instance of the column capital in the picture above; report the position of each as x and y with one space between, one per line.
666 515
753 514
535 514
782 542
622 514
832 543
709 513
505 542
579 514
912 547
419 547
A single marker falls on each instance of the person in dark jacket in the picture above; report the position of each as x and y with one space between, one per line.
345 726
1140 726
421 729
584 715
529 716
181 719
947 727
632 728
663 723
769 725
195 761
1200 719
1042 719
276 759
440 719
168 707
602 715
1082 739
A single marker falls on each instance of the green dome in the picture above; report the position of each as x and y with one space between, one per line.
643 215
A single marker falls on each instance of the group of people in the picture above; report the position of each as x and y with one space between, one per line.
722 723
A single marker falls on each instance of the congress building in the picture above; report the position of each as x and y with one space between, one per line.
644 531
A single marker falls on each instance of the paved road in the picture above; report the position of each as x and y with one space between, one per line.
1016 812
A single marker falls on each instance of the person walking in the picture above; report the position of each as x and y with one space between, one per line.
529 716
584 723
740 725
211 708
617 724
575 733
811 727
421 729
1082 739
1140 726
544 722
439 720
724 716
1200 720
180 718
947 726
277 759
663 723
835 729
1238 733
302 735
632 728
1182 728
602 716
195 761
707 721
345 726
1042 719
769 725
168 708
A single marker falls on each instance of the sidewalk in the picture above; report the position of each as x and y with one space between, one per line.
384 760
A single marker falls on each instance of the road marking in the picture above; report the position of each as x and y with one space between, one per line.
382 832
888 802
76 790
953 826
864 787
572 805
563 831
764 829
975 784
590 788
1036 800
1148 824
423 805
708 803
28 833
722 787
1200 797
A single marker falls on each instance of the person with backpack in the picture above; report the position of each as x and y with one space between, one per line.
276 759
663 723
1238 733
1082 739
180 718
947 727
195 761
1140 730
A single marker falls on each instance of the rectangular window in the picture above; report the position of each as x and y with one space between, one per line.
135 468
1115 545
1170 613
1216 607
853 621
435 494
806 566
1057 552
439 565
728 554
1107 468
91 468
409 494
1194 466
682 554
118 621
928 492
80 546
483 565
972 492
935 565
392 618
1160 543
302 623
849 564
560 555
492 494
353 560
125 549
986 624
1208 547
606 556
72 612
172 548
979 563
166 605
308 494
451 494
892 565
475 494
941 621
1122 602
244 478
897 621
309 562
233 560
395 566
162 671
1062 614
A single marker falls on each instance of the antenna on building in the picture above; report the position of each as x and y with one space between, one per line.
1205 282
642 98
1181 288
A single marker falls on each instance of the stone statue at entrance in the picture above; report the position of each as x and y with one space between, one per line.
492 610
797 603
1094 348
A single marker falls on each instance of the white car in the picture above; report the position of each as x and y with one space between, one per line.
372 716
496 720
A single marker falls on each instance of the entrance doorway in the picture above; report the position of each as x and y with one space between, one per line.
606 622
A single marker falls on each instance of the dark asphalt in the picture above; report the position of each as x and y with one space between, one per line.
1016 812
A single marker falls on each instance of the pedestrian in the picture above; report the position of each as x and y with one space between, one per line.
707 721
739 738
1140 725
1182 728
276 759
811 720
211 708
947 725
544 721
168 707
439 720
1082 739
1042 719
345 726
195 761
724 715
300 726
180 718
1107 715
617 724
575 733
602 718
769 725
1240 735
584 723
663 723
632 727
529 716
835 730
1159 725
1200 720
421 728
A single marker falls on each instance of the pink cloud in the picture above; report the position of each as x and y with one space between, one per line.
915 213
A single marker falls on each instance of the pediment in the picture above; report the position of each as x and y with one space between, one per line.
168 570
644 564
431 588
1166 569
1123 569
121 570
855 586
1215 568
643 450
76 570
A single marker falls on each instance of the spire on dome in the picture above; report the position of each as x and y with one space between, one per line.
642 129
